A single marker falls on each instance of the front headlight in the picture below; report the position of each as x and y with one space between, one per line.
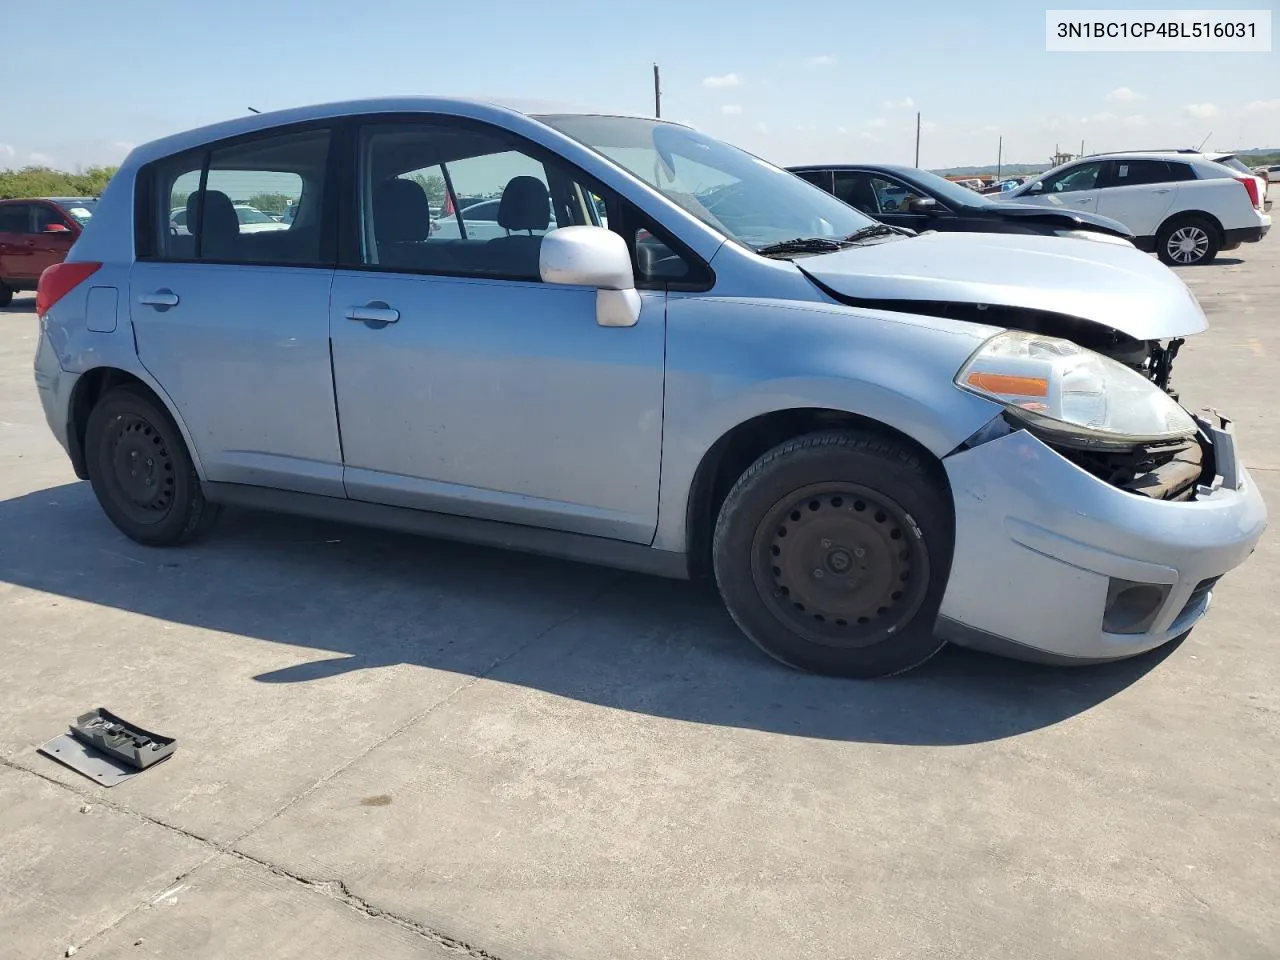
1093 235
1061 388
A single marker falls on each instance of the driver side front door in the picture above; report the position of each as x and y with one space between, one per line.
1076 188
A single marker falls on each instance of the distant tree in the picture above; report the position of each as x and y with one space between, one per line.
432 185
47 182
275 203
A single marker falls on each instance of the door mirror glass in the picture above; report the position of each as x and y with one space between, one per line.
588 256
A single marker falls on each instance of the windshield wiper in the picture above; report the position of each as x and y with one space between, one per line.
802 245
877 230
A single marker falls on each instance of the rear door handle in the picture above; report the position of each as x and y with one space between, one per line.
159 298
375 312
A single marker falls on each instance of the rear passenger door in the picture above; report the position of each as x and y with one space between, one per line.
235 325
17 252
1140 193
465 384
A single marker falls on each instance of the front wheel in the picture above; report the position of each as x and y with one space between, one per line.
832 553
1188 241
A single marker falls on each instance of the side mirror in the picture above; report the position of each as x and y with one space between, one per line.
1036 187
924 206
593 257
57 228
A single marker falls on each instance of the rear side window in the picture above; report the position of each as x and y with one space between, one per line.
15 218
1133 173
227 204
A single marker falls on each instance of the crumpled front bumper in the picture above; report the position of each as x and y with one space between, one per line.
1040 543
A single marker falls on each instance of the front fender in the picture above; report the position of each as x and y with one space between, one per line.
730 360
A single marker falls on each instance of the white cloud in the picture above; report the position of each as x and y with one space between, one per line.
928 126
842 129
1136 120
40 159
823 60
1123 95
870 137
762 127
906 103
121 146
731 109
1262 106
1202 111
877 122
7 152
724 81
1100 118
990 128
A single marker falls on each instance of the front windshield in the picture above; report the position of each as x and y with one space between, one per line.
80 210
731 191
949 192
252 215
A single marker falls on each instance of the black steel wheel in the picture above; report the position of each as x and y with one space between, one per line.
832 552
141 472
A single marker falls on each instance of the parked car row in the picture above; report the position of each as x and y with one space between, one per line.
1184 207
675 358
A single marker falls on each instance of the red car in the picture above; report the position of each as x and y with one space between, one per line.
36 233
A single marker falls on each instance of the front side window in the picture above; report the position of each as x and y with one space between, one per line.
44 216
435 197
740 196
1083 177
222 204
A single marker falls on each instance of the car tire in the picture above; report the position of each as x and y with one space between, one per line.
141 472
1188 241
832 552
6 294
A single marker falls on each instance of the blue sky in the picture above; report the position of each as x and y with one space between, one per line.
794 83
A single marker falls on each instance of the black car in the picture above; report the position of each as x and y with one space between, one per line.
920 200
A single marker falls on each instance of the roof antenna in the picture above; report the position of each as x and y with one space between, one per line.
1200 149
251 110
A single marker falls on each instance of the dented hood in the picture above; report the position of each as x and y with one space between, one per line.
1111 284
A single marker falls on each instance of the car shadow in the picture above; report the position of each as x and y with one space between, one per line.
22 303
372 599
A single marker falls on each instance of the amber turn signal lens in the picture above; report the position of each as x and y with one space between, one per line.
1002 383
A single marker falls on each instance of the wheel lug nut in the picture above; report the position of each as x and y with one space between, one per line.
826 544
819 573
859 552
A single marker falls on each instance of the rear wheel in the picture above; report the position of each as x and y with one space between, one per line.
6 294
1188 241
141 472
832 552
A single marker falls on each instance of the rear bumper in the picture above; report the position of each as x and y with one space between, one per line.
1241 235
1041 544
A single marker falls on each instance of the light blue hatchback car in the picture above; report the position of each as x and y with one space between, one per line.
667 355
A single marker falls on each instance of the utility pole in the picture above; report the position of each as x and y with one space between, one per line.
917 138
657 93
999 158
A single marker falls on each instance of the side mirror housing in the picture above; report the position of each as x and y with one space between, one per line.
925 206
593 257
57 228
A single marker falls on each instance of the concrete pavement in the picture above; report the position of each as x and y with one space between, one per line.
396 747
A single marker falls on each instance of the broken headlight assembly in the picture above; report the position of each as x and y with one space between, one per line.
1063 391
1103 416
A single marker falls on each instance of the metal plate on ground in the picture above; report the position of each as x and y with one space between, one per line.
94 764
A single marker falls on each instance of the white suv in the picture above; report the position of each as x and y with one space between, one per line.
1183 206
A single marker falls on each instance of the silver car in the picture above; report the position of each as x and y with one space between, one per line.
875 443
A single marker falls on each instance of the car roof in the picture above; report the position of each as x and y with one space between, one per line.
477 108
898 168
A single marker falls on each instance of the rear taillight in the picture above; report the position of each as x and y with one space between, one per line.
1251 186
59 280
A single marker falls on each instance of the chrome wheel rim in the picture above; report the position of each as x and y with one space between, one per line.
1188 244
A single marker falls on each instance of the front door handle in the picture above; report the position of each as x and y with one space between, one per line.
1165 190
1085 200
375 312
159 298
